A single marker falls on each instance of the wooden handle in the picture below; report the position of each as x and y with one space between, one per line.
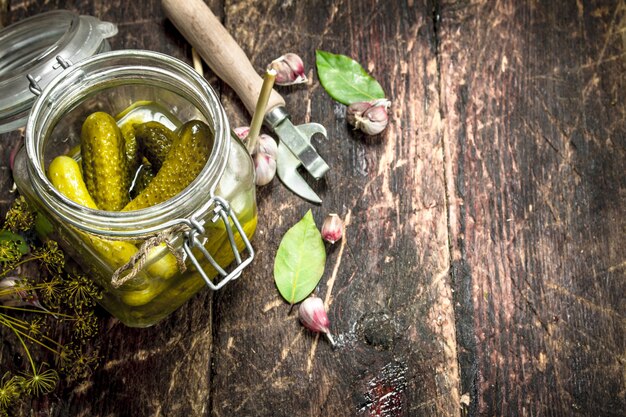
219 50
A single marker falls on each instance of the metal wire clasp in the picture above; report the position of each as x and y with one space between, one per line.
194 239
33 82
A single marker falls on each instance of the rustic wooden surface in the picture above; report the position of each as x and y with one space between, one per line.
483 270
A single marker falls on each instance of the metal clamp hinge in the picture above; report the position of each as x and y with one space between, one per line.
222 212
33 82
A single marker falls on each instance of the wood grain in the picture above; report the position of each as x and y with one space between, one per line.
533 107
482 271
389 302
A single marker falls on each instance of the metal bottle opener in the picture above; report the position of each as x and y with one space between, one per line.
295 149
220 51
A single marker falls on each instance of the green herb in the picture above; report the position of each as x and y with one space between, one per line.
51 313
300 260
345 79
20 218
14 240
10 390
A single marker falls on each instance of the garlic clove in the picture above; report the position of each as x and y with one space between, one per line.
265 168
266 144
13 293
332 229
264 156
242 132
356 110
289 68
313 316
371 117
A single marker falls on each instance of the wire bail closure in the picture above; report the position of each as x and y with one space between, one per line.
194 237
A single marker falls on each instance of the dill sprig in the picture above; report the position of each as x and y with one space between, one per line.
51 313
20 218
10 390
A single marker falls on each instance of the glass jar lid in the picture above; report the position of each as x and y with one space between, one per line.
34 50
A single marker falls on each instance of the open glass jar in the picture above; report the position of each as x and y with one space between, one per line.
148 261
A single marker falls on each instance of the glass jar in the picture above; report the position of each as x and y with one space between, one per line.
163 254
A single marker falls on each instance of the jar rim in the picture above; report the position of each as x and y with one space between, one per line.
181 78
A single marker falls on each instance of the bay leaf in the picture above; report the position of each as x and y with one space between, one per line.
20 243
346 80
300 260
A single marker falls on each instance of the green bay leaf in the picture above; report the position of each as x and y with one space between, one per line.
20 243
345 79
300 260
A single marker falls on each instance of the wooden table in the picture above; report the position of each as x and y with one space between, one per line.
483 269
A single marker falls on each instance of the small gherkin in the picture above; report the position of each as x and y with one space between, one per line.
155 141
104 162
189 153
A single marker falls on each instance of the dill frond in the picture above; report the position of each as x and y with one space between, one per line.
20 217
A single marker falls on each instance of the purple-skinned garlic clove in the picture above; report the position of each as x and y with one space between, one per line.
313 316
332 229
265 168
242 132
265 143
289 68
13 293
371 117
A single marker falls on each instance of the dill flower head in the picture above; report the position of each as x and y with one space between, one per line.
20 217
38 382
80 291
9 252
51 291
78 360
10 390
51 256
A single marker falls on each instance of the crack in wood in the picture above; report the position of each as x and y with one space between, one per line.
328 300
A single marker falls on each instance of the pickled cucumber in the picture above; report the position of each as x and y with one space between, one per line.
155 141
144 176
131 150
188 155
64 173
105 167
138 113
